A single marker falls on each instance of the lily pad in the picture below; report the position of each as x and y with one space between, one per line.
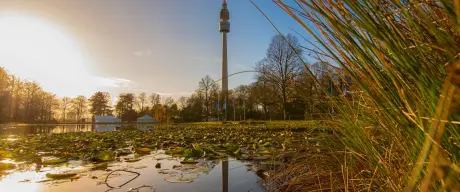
143 150
5 154
266 144
105 156
60 175
99 166
193 153
181 178
6 166
133 160
54 161
189 161
199 169
140 167
259 158
177 150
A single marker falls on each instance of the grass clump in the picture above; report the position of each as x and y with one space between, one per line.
400 128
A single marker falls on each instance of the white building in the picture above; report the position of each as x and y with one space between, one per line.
145 119
106 119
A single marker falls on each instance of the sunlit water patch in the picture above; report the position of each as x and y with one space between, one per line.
158 171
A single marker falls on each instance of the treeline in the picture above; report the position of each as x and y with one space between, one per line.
283 89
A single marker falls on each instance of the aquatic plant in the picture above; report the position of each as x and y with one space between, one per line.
400 127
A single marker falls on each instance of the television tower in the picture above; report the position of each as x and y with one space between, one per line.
224 28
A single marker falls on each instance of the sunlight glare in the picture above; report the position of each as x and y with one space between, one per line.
37 49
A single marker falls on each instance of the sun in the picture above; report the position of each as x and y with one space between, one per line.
37 49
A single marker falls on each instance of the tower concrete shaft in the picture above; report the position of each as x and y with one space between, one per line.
224 28
224 64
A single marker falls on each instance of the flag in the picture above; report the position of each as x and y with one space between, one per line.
217 105
225 103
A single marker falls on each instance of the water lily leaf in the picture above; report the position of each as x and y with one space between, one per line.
133 160
60 175
54 161
6 166
5 154
99 166
237 152
123 152
213 157
165 171
196 146
264 152
143 150
140 167
193 153
199 169
181 178
266 144
189 161
259 158
176 150
105 156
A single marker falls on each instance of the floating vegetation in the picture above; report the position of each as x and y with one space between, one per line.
179 154
133 160
143 150
99 166
188 141
6 166
60 175
189 161
181 178
54 161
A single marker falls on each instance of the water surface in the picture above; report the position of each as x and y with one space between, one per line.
171 177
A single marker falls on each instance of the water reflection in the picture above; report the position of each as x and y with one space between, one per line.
104 128
24 130
172 176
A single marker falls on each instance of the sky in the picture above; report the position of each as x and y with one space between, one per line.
78 47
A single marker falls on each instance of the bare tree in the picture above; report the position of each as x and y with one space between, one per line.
65 104
79 106
4 93
17 89
141 102
207 86
168 106
154 99
182 102
32 92
280 67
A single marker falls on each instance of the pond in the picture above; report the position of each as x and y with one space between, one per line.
171 176
23 130
81 157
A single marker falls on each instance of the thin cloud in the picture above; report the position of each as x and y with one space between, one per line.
112 82
146 53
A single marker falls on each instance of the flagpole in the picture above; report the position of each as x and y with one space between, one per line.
218 110
225 107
